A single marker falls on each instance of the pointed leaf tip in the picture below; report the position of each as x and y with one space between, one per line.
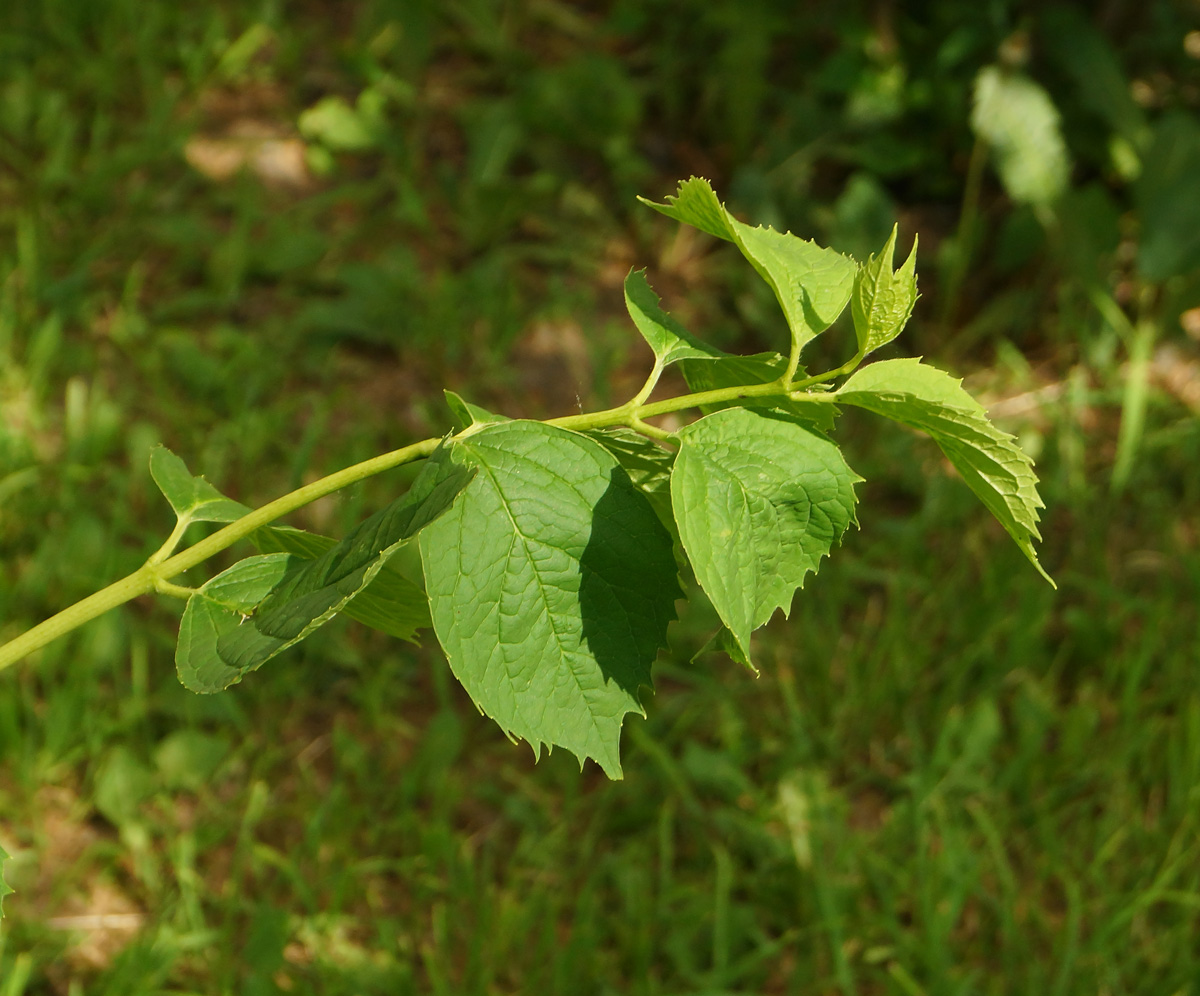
883 300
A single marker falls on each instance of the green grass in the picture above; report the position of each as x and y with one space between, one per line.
949 778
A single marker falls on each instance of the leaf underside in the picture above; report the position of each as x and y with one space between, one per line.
314 591
989 460
551 582
759 501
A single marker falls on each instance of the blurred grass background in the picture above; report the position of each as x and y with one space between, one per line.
268 234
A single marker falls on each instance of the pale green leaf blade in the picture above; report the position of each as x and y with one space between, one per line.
759 500
220 607
551 582
883 299
990 461
696 204
391 603
758 368
314 591
5 888
1019 121
811 283
670 341
192 498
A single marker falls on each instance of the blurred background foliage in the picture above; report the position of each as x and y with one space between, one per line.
267 234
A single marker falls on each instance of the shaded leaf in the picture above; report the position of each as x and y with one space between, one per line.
392 603
647 464
990 461
314 591
759 500
551 582
812 284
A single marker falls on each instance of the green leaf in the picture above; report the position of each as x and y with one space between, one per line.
551 582
759 368
812 284
670 341
192 498
314 591
1017 118
990 461
759 501
392 603
647 464
5 889
469 414
883 300
220 607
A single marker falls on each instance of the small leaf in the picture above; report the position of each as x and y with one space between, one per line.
220 607
990 461
759 501
1017 118
883 300
314 591
670 341
192 498
5 889
469 414
392 603
759 368
551 582
724 642
812 284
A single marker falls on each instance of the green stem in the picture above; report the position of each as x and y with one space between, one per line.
161 566
148 577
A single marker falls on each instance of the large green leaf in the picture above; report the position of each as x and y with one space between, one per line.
883 298
314 591
1019 121
670 341
5 889
758 368
990 461
220 607
551 582
812 284
192 498
759 500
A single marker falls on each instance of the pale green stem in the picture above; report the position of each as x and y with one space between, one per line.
147 578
